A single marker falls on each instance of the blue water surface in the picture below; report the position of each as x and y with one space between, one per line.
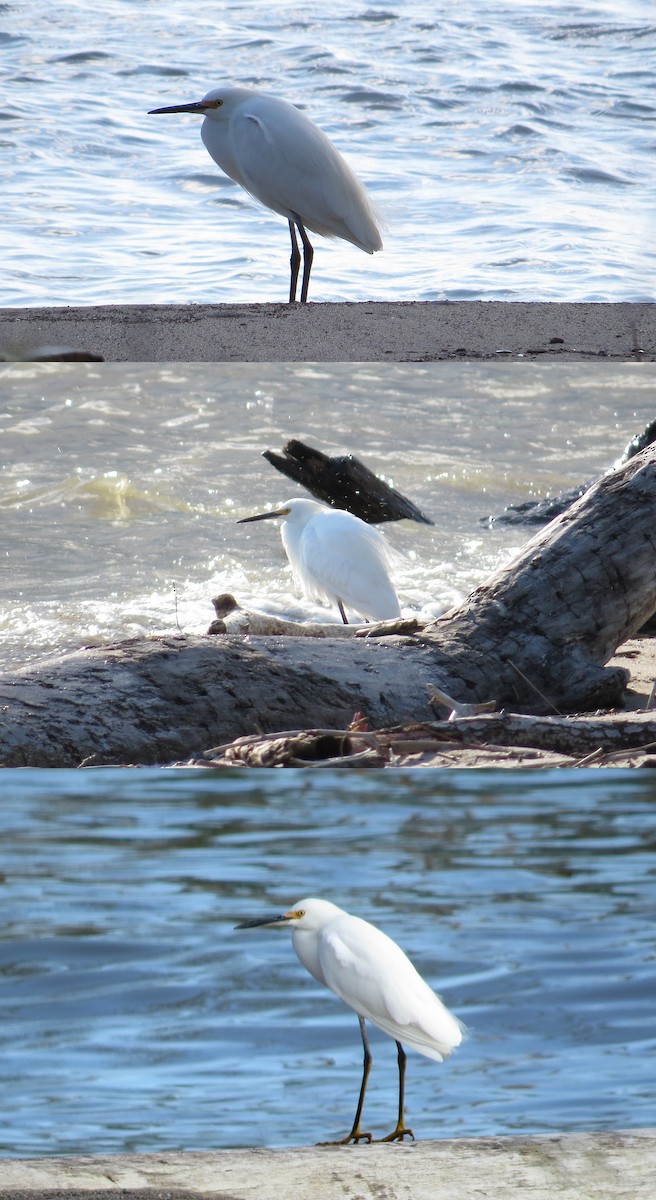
134 1018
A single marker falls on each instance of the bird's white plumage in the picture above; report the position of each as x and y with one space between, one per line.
335 556
287 163
373 976
278 155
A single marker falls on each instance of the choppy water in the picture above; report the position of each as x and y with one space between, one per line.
121 484
509 145
133 1017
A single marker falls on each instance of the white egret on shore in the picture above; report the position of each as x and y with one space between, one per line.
336 558
372 975
287 163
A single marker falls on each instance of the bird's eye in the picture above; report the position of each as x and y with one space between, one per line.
300 912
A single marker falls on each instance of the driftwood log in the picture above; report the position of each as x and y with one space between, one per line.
534 637
344 482
500 739
539 512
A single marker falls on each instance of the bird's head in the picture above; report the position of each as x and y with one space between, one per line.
299 511
267 516
305 914
210 106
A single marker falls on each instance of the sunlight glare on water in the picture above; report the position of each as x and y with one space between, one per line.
122 484
508 146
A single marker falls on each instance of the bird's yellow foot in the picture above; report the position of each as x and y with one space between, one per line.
354 1136
398 1135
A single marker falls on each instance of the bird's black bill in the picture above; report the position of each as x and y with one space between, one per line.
280 512
196 106
281 920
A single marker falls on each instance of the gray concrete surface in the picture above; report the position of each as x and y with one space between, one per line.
334 332
576 1166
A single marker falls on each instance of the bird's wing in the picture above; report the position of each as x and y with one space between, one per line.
354 569
289 165
372 975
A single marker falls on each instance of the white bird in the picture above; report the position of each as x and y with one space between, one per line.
336 558
372 975
287 163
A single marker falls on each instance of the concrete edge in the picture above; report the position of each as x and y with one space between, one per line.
341 332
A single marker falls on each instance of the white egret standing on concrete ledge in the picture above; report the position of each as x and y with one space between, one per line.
336 558
287 163
372 975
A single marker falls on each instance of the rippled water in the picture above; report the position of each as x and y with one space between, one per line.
121 484
508 145
133 1017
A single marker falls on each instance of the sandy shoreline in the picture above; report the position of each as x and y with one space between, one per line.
363 332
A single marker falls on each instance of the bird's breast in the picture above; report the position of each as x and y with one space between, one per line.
307 948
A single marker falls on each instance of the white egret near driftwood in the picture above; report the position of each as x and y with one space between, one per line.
336 558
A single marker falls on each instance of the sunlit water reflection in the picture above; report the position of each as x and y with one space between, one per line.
508 145
121 484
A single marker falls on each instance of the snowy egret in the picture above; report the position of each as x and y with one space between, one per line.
287 163
336 558
372 975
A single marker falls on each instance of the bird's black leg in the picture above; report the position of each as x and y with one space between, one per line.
342 612
356 1134
294 263
308 255
398 1134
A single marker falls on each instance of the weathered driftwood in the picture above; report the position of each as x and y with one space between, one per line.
344 482
231 618
606 740
539 512
535 636
602 1165
158 699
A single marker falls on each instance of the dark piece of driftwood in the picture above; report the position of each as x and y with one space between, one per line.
539 512
535 637
48 354
344 482
606 740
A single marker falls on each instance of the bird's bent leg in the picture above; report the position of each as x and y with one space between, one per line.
294 263
400 1132
342 613
356 1134
308 255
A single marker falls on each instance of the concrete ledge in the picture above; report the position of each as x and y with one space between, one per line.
335 332
576 1166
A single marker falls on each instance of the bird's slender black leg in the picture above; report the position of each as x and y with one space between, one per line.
308 255
356 1134
294 263
342 612
398 1134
